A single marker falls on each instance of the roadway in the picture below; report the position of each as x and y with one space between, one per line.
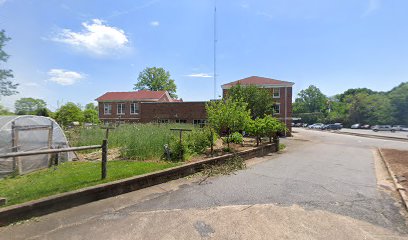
322 186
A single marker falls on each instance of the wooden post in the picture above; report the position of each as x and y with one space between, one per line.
212 142
17 168
50 136
104 157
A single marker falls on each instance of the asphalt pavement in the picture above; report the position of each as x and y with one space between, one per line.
323 185
399 134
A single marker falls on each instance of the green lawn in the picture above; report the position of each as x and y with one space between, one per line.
71 176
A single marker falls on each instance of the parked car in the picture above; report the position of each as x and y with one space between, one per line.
339 124
304 125
332 127
400 128
298 124
365 126
377 128
316 126
355 126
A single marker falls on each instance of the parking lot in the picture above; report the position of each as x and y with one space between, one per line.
398 134
401 134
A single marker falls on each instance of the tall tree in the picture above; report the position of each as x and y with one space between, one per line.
91 106
399 100
156 79
25 106
228 115
310 100
69 113
7 87
259 101
369 109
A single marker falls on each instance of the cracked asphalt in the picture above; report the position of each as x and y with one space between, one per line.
324 185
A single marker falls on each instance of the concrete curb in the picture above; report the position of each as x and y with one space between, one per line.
373 136
401 190
71 199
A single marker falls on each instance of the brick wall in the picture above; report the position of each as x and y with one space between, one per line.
153 111
127 117
172 111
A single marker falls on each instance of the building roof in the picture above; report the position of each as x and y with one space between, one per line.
141 95
254 80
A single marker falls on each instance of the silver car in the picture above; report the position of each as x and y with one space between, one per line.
400 128
377 128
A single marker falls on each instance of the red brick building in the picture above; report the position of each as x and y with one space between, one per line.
149 106
281 92
157 106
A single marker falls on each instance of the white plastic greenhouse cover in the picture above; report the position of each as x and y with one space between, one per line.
31 133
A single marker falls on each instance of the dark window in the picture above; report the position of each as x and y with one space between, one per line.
200 122
181 121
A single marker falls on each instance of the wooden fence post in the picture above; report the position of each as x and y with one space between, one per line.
104 157
212 142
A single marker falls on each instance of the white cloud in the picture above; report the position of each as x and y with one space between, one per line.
199 75
154 23
96 38
64 77
373 5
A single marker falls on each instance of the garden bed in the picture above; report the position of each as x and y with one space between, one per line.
398 162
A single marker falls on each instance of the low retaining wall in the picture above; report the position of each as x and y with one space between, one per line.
75 198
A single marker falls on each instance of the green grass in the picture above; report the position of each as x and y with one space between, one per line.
137 141
71 176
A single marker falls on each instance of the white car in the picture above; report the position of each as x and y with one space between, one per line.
316 126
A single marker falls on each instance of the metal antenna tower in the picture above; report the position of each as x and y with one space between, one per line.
215 49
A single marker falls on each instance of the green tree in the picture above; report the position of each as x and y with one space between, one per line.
228 115
91 106
370 109
399 101
273 127
69 113
257 128
156 79
45 112
25 106
310 100
259 101
7 87
91 116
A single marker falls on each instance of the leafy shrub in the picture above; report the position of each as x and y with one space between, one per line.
236 137
198 140
178 150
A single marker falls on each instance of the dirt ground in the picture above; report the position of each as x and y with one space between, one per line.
398 161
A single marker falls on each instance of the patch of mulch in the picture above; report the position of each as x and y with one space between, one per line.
113 154
398 161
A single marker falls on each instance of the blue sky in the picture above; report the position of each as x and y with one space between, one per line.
77 50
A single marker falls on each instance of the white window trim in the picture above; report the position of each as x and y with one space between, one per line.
273 93
277 104
117 108
104 109
130 109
